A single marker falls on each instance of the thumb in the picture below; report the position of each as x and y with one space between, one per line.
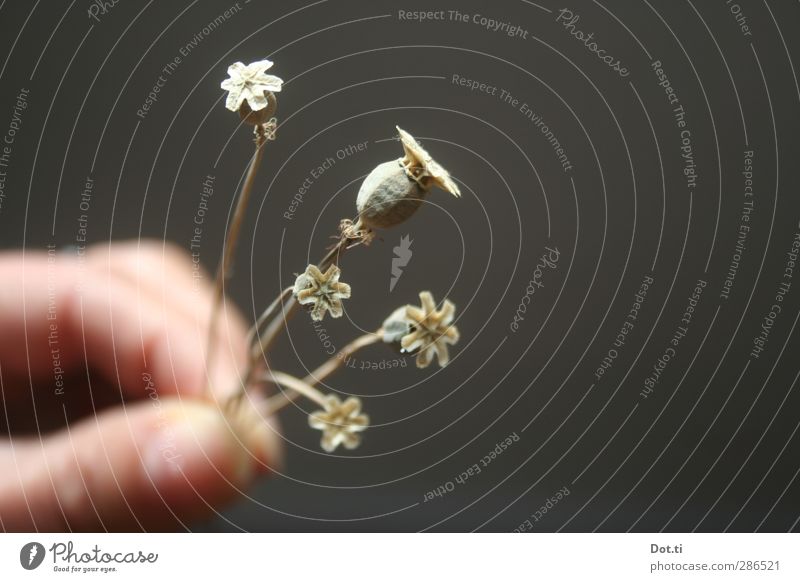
151 465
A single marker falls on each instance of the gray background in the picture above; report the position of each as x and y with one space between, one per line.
714 447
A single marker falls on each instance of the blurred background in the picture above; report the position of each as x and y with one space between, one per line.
614 134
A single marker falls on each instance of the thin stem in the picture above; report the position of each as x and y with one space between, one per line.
298 385
265 341
290 307
349 238
319 375
253 356
225 267
265 315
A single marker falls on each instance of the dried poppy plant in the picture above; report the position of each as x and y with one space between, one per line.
390 194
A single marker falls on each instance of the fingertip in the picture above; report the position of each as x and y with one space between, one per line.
197 458
194 443
258 434
154 465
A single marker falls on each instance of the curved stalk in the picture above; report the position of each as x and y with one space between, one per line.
277 325
265 315
299 386
350 237
225 267
320 374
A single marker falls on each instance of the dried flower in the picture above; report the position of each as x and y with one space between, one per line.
394 190
340 422
421 166
250 84
323 290
429 330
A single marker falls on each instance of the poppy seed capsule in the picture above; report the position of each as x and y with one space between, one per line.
388 196
261 116
394 190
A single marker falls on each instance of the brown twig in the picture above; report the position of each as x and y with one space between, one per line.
299 386
320 374
225 267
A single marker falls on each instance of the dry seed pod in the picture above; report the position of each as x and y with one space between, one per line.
424 331
394 190
388 196
431 330
261 116
340 422
251 84
323 291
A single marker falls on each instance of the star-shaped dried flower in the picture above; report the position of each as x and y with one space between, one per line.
250 83
430 331
323 290
422 167
340 422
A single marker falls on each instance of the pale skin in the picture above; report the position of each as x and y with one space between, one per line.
145 446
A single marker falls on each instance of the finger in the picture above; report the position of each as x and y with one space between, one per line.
132 335
72 315
171 278
29 299
152 466
147 265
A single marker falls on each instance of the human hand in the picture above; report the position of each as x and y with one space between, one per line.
103 393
